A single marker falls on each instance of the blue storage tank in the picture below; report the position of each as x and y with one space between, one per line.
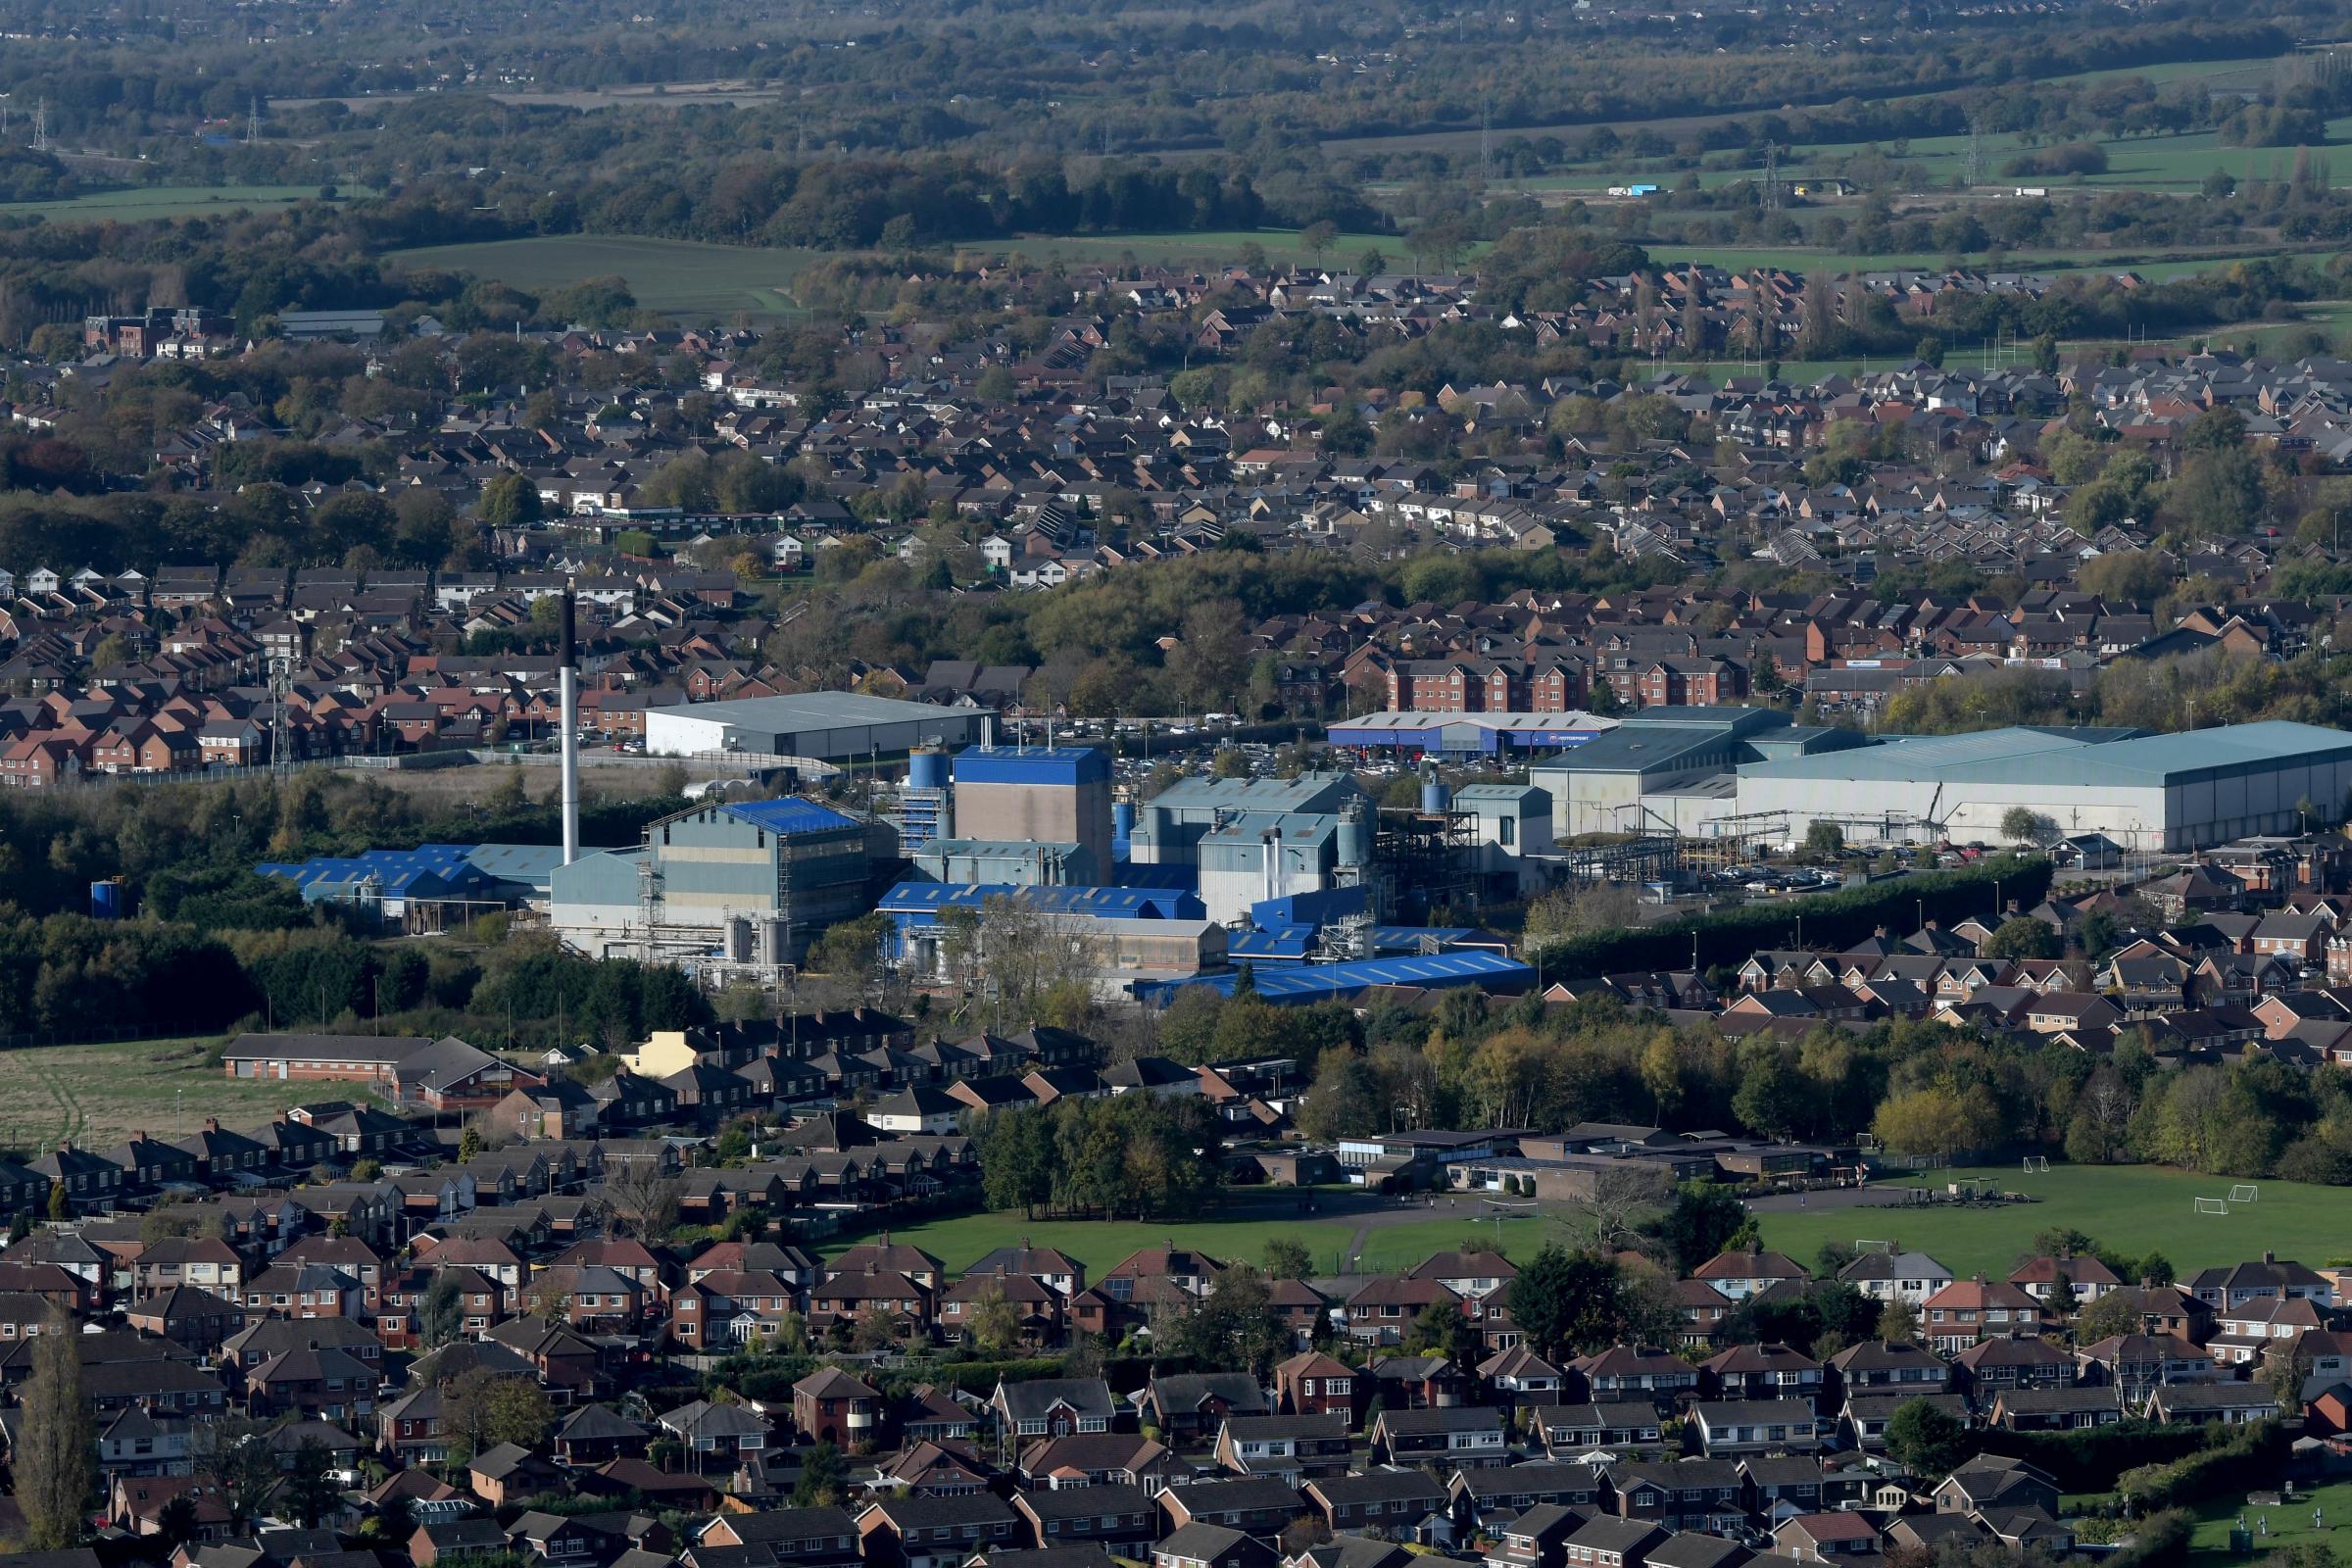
1122 827
105 899
1435 798
927 769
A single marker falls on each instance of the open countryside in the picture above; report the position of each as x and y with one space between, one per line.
681 277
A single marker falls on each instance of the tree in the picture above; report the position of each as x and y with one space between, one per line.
1441 1329
510 500
995 1327
1924 1439
1615 1199
1235 1327
2020 936
309 1491
56 1447
825 1477
481 1409
1934 1121
2022 824
441 1315
1825 840
1540 1299
1898 1323
1286 1258
2115 1313
233 1459
1318 237
1704 1219
641 1199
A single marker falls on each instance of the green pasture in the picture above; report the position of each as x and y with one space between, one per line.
681 277
2135 1209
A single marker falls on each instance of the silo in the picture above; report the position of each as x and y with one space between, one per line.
1435 796
738 947
927 768
1123 828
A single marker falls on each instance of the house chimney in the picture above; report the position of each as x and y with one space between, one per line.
211 1124
2269 1257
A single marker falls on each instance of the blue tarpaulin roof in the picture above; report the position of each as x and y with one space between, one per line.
1109 904
1328 982
789 817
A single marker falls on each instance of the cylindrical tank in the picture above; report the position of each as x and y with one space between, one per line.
771 942
1353 842
1435 798
739 939
105 899
927 768
1122 827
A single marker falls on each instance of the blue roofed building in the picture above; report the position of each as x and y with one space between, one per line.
1115 939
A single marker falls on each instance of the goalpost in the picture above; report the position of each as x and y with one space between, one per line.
2036 1164
2212 1205
2244 1192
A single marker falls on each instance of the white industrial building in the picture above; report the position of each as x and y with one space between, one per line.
1715 775
2145 792
831 726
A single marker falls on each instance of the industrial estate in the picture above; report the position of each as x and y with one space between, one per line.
1036 786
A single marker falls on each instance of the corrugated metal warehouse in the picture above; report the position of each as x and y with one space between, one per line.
2146 792
828 726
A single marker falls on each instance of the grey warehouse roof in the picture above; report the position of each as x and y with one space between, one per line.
2081 757
801 710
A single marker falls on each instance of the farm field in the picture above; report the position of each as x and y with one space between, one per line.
2162 162
1669 124
2133 1208
1209 248
679 277
98 1094
168 201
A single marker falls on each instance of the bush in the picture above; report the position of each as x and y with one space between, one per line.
2162 1537
2247 1456
2092 1458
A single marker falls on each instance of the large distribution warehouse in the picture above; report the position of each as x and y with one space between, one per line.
2146 792
830 726
1750 774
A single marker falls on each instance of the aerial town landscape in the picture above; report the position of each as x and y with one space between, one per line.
1038 785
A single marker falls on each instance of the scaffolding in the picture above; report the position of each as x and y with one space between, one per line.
1423 860
1644 858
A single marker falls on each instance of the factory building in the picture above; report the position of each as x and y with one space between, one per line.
748 884
1750 773
429 888
1054 797
2145 792
1253 840
1665 770
1119 938
1509 823
830 726
1468 736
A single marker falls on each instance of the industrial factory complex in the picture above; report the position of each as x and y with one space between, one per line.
1304 881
